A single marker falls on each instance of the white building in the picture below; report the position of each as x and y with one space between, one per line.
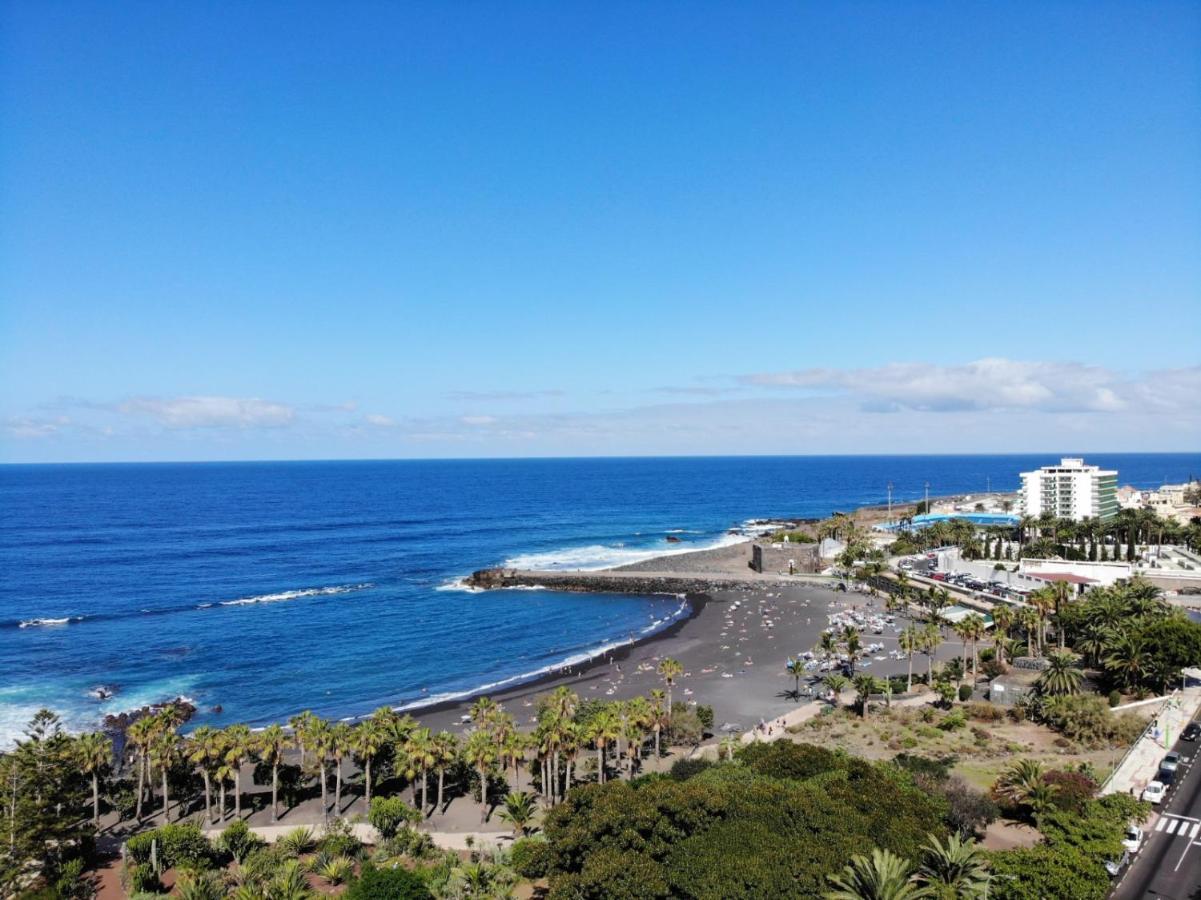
1070 490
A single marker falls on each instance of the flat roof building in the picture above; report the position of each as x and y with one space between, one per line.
1070 490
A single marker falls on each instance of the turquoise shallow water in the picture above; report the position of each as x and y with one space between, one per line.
265 588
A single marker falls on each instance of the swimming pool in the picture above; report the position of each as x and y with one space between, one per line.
976 518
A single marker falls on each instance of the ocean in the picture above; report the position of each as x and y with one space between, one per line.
261 589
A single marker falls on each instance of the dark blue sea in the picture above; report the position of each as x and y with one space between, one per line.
266 588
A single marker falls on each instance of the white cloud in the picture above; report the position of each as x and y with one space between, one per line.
985 384
211 412
25 428
478 420
380 421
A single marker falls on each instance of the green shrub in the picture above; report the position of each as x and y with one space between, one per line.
684 768
953 721
339 840
965 693
387 884
705 714
179 846
530 857
200 886
1115 698
142 879
388 814
238 840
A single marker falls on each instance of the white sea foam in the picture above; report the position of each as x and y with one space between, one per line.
283 596
459 584
49 623
599 556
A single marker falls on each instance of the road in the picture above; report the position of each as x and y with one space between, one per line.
1168 867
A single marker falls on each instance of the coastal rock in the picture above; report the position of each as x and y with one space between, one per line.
672 539
120 722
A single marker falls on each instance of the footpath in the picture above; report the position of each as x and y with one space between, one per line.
1141 763
445 840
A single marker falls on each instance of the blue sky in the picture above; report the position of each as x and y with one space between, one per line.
493 229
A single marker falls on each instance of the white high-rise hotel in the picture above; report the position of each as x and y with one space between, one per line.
1070 490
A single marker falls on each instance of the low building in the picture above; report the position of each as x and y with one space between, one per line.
785 558
1036 573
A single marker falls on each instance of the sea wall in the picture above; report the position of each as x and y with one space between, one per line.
618 582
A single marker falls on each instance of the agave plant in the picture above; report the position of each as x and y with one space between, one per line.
337 870
298 841
289 883
200 886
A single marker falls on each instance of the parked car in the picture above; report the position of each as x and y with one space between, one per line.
1154 792
1192 731
1166 776
1113 866
1133 839
1171 762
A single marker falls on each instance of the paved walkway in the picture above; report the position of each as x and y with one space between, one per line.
1141 764
447 840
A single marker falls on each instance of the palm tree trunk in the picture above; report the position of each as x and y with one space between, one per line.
657 756
441 778
141 786
208 798
600 763
95 800
324 795
425 783
567 778
909 683
554 776
275 792
238 792
222 811
483 796
367 780
337 786
166 802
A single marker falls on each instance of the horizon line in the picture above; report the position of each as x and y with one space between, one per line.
569 458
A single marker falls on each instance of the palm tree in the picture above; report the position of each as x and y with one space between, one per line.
633 734
238 744
302 726
205 745
319 739
1002 618
162 753
1061 675
975 629
94 753
480 753
605 727
658 717
519 811
961 631
910 643
1024 784
865 686
422 757
670 669
883 876
1129 659
931 641
341 745
795 668
446 751
140 734
957 869
270 744
367 741
836 683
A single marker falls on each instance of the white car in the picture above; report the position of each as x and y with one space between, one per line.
1154 792
1133 839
